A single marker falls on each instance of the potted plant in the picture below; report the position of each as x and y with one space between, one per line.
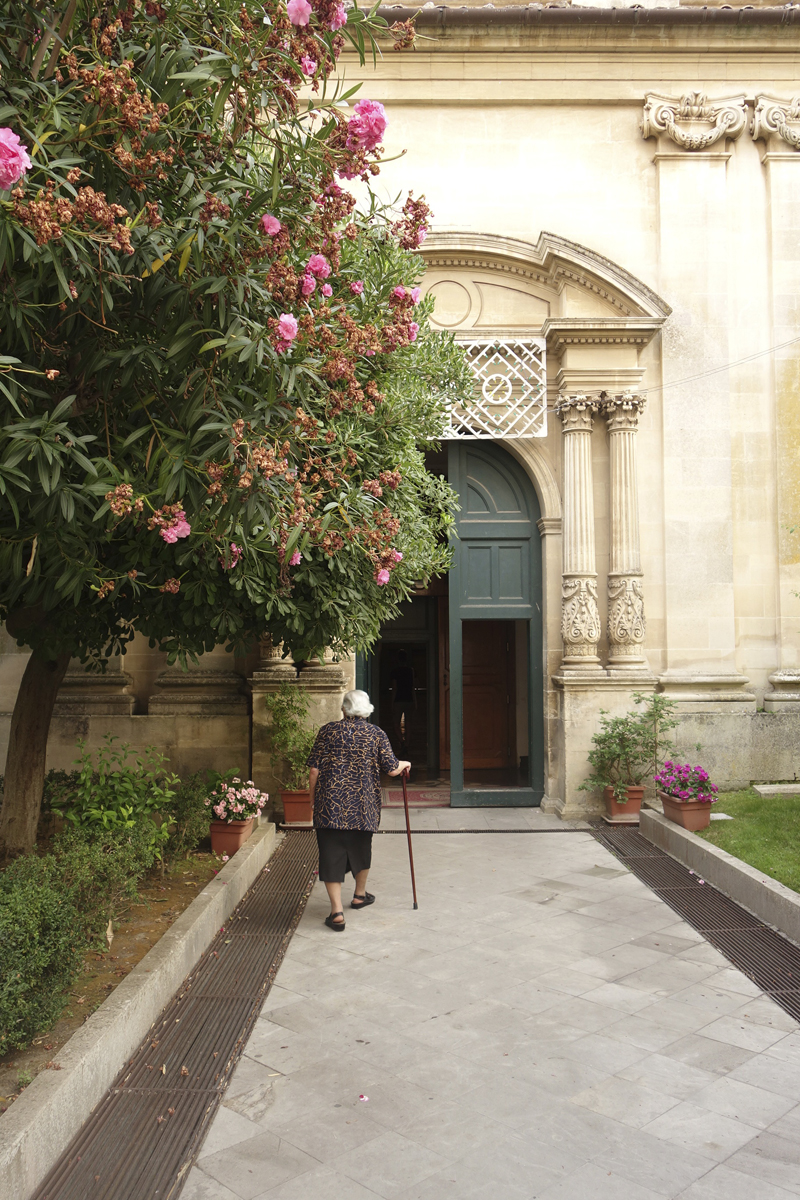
625 752
687 795
235 805
291 745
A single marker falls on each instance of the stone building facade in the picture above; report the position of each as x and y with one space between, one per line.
616 195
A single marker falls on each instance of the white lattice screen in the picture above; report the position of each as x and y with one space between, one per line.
510 395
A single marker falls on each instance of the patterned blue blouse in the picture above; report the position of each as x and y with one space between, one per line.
350 755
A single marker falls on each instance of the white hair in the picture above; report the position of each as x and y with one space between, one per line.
357 704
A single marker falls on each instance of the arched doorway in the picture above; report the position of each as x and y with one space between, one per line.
496 698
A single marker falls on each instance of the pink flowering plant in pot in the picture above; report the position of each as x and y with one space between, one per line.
686 784
218 375
687 794
236 800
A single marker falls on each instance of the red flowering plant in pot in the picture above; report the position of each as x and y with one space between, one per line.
235 805
687 794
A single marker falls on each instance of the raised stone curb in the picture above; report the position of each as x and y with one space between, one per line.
777 789
770 901
43 1121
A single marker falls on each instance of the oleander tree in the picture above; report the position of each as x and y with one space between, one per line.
217 378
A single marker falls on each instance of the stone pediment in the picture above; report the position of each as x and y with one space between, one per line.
498 284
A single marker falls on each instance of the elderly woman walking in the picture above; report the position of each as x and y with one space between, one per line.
345 782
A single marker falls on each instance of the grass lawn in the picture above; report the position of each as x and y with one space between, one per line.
765 833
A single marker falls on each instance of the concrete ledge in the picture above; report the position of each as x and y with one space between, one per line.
762 896
43 1121
777 789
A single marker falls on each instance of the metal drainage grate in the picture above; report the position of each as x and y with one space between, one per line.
140 1141
527 829
758 951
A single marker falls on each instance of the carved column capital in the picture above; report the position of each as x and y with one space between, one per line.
776 122
577 412
694 122
622 412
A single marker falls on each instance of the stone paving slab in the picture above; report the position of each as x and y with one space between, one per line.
542 1028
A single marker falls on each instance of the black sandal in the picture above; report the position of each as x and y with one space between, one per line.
337 925
366 899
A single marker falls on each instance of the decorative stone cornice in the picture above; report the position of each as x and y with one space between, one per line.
694 122
563 332
776 121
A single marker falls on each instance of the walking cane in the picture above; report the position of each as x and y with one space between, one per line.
408 833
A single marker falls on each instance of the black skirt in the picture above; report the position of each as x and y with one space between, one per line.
343 850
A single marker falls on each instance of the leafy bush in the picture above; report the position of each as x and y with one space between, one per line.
113 793
629 748
51 909
188 816
291 739
40 948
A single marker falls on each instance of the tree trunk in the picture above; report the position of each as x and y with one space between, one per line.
27 751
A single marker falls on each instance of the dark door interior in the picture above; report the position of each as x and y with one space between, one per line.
487 658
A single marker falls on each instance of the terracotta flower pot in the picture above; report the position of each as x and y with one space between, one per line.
228 836
297 808
690 814
627 813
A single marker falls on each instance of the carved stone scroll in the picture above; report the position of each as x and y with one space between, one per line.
694 122
580 618
777 121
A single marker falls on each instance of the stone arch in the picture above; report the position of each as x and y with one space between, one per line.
560 279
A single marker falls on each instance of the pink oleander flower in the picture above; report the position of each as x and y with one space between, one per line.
318 265
357 287
14 159
308 284
339 18
180 528
295 559
415 294
270 224
382 577
298 11
413 330
397 555
308 65
422 234
287 327
366 127
399 293
327 290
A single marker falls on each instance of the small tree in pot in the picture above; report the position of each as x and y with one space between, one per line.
625 752
292 741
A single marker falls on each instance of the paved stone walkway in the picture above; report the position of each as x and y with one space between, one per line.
542 1026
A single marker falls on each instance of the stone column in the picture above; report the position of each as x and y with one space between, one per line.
626 621
580 619
776 126
272 671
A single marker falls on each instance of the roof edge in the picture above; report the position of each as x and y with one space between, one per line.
551 15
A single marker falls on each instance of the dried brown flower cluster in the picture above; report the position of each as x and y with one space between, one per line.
50 213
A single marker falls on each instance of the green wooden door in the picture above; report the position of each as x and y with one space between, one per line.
496 576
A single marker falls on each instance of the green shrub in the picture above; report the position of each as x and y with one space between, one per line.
51 909
112 792
189 818
41 948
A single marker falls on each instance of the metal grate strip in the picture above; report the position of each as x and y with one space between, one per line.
141 1139
759 952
